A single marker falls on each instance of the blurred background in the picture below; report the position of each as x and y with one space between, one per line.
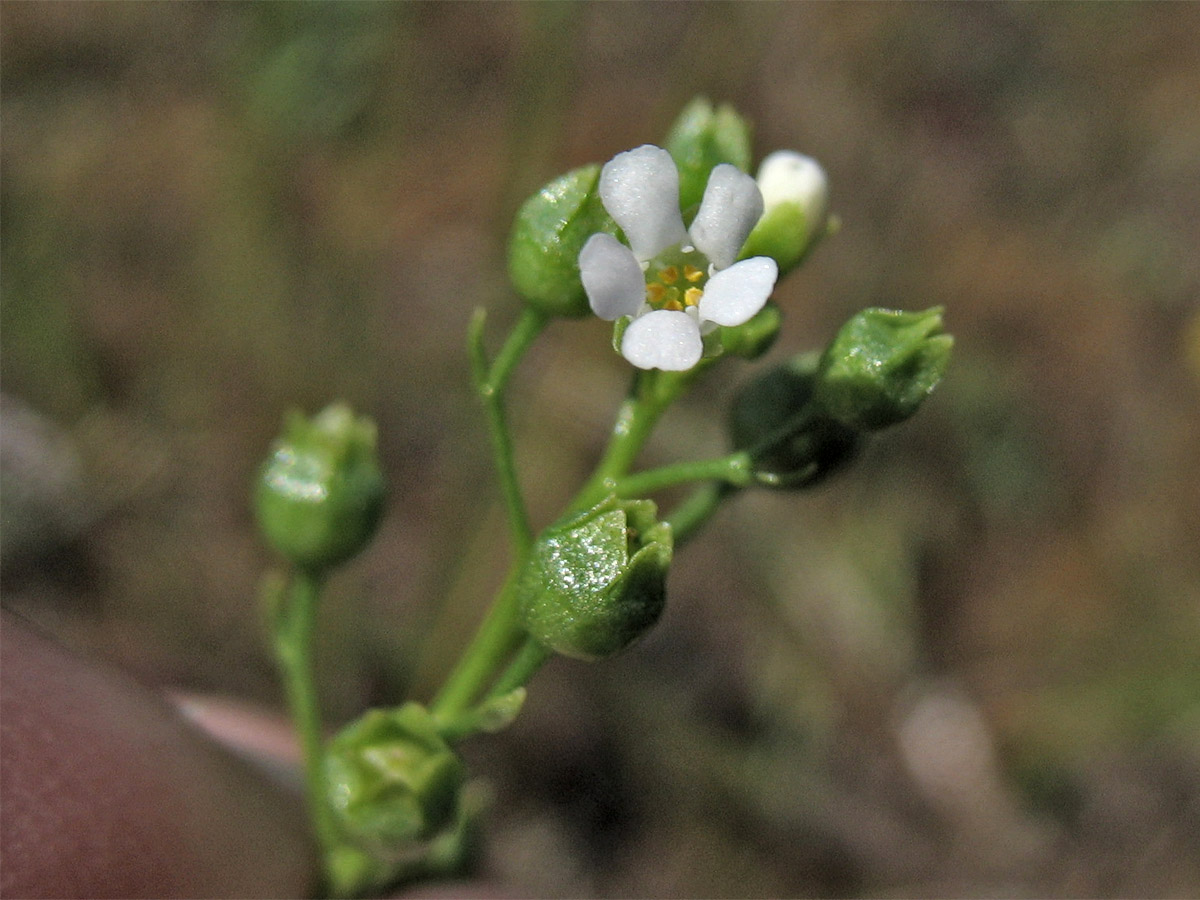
969 666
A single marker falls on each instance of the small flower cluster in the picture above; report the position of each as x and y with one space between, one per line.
678 284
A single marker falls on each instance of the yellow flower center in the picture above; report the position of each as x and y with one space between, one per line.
675 283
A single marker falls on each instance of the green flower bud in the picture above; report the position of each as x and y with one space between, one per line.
550 229
320 494
393 779
596 581
702 138
754 338
881 365
795 200
792 444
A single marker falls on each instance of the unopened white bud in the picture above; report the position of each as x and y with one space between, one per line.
789 177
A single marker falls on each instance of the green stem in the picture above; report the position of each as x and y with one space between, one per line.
294 630
496 640
652 392
524 666
490 382
500 635
734 469
524 333
687 518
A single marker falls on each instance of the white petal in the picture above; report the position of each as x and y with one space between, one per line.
663 339
611 277
734 295
640 190
731 207
789 177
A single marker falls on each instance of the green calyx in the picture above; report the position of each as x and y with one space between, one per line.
701 138
752 339
596 581
393 780
320 493
881 366
787 233
550 229
795 191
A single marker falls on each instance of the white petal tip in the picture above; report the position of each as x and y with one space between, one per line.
640 190
731 207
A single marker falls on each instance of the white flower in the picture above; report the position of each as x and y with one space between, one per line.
677 283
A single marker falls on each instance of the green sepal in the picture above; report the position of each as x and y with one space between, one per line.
353 872
393 780
881 366
785 234
791 444
795 217
596 581
620 326
703 137
319 495
492 715
550 229
752 339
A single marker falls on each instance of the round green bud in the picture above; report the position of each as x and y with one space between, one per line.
319 495
392 779
700 139
550 229
596 581
792 445
881 366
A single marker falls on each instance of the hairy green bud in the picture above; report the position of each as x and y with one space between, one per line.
319 495
596 581
881 365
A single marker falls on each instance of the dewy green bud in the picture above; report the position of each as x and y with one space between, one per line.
702 138
596 581
550 229
320 494
793 445
393 779
881 365
795 200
